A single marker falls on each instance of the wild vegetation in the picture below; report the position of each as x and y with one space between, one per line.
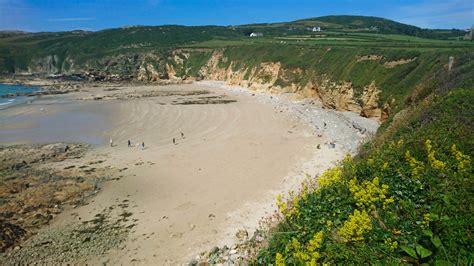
406 198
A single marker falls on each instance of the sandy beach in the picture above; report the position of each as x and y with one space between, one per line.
234 151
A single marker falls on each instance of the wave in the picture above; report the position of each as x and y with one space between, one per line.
9 101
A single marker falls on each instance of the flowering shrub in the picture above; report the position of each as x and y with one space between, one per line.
330 177
313 245
464 161
279 260
282 205
417 167
349 218
391 245
355 227
304 254
431 157
369 193
289 208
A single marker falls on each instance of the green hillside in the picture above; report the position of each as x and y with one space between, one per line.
380 25
19 51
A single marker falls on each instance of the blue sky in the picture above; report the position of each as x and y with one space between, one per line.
59 15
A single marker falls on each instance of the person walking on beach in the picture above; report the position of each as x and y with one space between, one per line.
111 143
174 141
143 145
182 135
129 143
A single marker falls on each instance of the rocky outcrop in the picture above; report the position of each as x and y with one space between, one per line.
402 61
48 65
339 96
10 234
369 58
265 76
370 102
148 72
170 72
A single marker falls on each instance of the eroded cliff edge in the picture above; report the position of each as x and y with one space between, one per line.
374 83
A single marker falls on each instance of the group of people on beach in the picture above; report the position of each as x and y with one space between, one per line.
129 143
174 139
142 145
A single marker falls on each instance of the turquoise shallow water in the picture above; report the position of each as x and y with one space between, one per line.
6 89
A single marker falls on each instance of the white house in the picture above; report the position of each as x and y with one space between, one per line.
316 29
469 34
256 34
374 28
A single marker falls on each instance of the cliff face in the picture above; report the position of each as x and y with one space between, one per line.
372 84
214 65
338 95
268 76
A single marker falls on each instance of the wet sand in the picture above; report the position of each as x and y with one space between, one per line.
52 119
189 196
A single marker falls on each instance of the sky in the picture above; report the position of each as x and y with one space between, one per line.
93 15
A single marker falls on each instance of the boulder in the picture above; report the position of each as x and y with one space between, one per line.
56 148
10 234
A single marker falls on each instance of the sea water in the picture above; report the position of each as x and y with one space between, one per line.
8 101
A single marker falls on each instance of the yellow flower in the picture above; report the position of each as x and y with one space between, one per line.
316 241
330 177
295 209
435 163
308 254
282 206
369 193
396 231
279 260
329 224
417 167
391 245
355 227
464 161
426 220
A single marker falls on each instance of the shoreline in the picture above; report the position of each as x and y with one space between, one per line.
302 123
15 99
